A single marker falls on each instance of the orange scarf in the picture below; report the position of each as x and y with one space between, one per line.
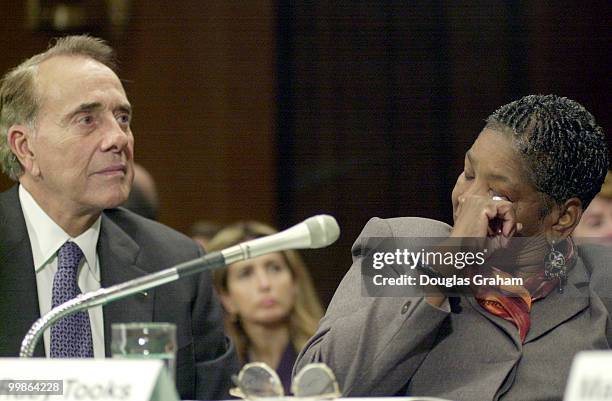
513 303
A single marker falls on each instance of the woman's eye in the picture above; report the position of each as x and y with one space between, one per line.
593 223
496 194
273 267
244 273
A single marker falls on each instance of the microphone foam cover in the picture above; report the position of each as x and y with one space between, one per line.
324 230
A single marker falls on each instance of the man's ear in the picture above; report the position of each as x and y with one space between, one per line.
567 218
20 139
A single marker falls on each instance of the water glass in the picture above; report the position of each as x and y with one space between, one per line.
145 341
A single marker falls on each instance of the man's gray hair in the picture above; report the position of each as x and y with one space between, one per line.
19 100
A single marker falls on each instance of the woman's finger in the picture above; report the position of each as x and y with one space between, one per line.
507 214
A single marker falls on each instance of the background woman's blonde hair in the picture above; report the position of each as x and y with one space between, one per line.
307 309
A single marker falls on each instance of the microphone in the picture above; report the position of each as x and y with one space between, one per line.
314 232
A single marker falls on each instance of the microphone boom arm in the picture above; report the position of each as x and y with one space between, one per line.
104 296
315 232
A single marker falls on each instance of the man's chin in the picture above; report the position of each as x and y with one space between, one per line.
115 200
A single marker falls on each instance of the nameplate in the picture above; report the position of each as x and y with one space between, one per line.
590 377
85 380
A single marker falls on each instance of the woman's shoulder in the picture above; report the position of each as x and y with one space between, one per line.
597 258
405 227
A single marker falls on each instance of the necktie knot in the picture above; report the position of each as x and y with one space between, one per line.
69 256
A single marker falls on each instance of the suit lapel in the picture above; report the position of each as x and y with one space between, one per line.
547 313
19 304
556 308
118 255
507 327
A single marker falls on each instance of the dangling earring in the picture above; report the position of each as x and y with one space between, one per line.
555 266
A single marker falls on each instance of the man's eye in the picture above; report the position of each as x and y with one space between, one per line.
124 119
86 120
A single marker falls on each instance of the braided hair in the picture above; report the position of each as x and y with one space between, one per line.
564 149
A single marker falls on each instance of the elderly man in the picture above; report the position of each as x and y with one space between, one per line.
65 137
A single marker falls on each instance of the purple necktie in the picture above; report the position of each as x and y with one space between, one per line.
70 336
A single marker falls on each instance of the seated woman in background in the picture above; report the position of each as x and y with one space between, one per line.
271 305
202 231
596 221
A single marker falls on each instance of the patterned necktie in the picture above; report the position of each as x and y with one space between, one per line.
70 336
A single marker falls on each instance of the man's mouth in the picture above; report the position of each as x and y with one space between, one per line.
116 169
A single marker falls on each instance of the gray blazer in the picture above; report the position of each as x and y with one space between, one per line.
398 346
129 246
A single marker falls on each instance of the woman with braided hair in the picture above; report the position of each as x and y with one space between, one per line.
527 178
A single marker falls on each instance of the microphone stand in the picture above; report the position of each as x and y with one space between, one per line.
314 232
104 296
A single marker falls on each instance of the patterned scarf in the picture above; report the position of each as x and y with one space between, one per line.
513 303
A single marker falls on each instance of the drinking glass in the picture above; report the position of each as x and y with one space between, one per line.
145 341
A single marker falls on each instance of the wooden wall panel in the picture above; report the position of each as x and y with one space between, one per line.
379 101
280 110
569 54
366 112
201 77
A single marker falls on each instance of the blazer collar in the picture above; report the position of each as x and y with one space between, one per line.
17 277
12 223
507 327
118 254
550 312
556 308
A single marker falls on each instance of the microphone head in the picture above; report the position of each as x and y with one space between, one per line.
324 230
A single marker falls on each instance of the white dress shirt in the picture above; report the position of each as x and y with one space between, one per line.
46 237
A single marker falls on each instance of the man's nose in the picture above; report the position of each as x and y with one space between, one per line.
116 136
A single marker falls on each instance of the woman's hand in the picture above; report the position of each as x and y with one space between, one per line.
481 222
490 221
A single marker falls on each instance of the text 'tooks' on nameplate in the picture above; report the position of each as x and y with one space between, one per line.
85 379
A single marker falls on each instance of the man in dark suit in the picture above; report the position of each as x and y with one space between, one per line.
65 137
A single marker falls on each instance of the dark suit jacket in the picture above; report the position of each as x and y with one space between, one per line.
384 346
129 246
